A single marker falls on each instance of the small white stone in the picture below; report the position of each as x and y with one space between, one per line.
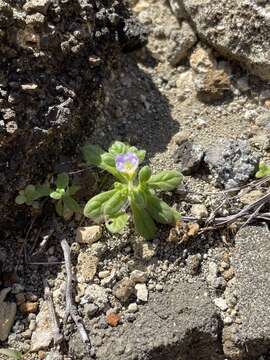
141 292
133 307
199 211
138 276
221 304
227 320
88 234
103 274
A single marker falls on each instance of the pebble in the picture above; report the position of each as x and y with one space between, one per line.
159 287
199 211
89 234
90 309
133 307
228 320
29 307
141 292
103 274
86 267
228 274
43 334
113 319
138 276
221 304
124 289
193 263
97 295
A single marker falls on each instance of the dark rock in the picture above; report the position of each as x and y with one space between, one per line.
231 162
189 156
51 90
223 25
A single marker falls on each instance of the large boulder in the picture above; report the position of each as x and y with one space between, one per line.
238 30
54 56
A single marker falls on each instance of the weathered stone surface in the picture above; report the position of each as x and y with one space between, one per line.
51 83
189 156
179 323
231 162
223 24
43 334
180 43
210 82
252 284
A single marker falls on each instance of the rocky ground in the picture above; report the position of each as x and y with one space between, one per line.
197 99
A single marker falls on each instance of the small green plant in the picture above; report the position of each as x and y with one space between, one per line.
65 205
31 194
11 354
264 170
133 188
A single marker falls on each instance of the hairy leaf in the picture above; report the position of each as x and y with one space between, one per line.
43 190
59 207
117 148
165 180
20 199
71 204
56 195
62 180
115 203
92 154
160 211
143 222
264 170
117 223
144 174
94 207
73 189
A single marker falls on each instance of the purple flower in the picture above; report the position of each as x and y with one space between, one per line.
127 163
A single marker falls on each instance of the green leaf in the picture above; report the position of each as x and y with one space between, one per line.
117 223
92 154
12 354
117 148
71 204
59 207
94 207
144 174
143 222
73 189
20 199
165 180
160 211
115 203
264 170
43 190
62 180
31 193
56 195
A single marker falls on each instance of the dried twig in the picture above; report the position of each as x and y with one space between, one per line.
57 336
70 307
